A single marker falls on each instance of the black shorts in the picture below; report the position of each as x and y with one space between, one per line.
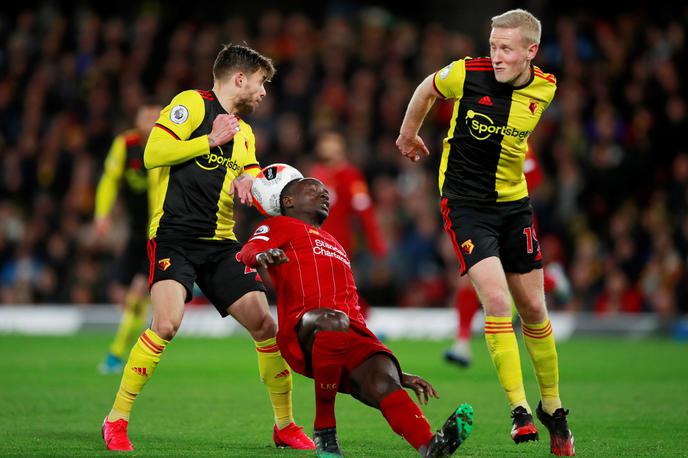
502 229
212 264
132 262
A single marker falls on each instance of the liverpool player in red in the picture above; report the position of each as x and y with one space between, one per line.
350 199
323 335
351 207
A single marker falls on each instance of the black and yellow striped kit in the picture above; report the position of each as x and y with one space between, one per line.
483 153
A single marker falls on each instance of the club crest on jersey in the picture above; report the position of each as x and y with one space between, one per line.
313 231
179 114
261 230
164 264
533 106
467 246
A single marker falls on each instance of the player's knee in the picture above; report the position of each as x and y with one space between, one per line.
265 328
534 311
332 320
496 302
165 328
382 385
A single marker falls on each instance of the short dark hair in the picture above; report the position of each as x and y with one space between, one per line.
241 58
286 191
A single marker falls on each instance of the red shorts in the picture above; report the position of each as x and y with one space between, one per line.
363 344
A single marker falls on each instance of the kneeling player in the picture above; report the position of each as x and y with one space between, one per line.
323 335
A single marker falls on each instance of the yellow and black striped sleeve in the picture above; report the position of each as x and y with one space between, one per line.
108 186
169 142
448 82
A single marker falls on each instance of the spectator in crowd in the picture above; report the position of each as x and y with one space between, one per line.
71 78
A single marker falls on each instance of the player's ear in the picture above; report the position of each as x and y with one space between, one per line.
239 78
288 201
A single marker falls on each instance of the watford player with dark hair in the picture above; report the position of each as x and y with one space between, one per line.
323 335
204 153
487 213
125 175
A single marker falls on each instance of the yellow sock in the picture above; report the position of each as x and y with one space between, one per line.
133 319
539 341
276 375
503 348
143 359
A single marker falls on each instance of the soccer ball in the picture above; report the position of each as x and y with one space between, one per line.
269 184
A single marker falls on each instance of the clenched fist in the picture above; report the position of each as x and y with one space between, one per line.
225 127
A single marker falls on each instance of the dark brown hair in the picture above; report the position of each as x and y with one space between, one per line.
241 58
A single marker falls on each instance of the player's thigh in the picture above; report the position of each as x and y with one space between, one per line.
473 231
235 289
490 284
167 299
252 312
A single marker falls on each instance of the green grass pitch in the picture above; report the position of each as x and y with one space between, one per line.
627 398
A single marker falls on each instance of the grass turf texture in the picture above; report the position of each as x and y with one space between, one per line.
626 398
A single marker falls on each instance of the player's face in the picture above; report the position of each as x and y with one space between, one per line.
252 93
313 198
146 117
511 56
330 147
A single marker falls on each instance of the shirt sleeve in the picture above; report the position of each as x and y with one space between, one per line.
448 82
168 143
108 186
264 237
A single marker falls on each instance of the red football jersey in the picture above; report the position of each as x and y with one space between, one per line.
349 199
318 273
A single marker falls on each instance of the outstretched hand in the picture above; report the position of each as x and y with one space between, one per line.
412 147
423 389
271 257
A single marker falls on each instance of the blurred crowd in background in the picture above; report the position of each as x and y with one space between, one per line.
612 208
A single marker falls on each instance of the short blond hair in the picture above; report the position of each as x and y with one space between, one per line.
530 26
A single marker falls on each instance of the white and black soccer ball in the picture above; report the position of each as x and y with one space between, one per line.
268 185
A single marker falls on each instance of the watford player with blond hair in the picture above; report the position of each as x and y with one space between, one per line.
487 213
204 154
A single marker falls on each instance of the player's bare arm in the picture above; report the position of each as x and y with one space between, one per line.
271 257
225 127
423 389
409 142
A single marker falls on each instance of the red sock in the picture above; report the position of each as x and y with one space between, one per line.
406 418
329 355
466 304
